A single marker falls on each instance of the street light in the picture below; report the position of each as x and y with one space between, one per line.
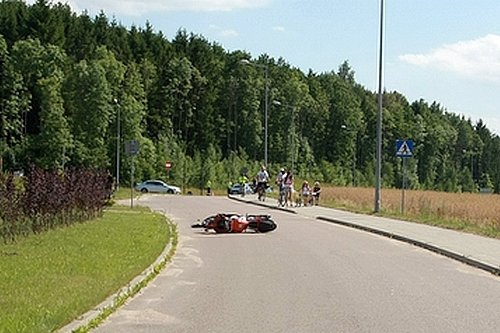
471 162
379 117
247 62
344 127
118 146
293 127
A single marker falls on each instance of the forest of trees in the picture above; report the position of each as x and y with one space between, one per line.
69 83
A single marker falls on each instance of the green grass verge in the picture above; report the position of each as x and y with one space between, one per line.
47 280
124 193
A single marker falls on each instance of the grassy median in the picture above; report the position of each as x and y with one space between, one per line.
49 279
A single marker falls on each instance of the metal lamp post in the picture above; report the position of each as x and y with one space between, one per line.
344 127
247 62
471 162
293 129
472 165
379 118
118 146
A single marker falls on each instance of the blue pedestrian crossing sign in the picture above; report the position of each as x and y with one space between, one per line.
404 148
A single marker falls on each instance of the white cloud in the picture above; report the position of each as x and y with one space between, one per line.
478 59
229 33
139 7
491 122
279 28
224 32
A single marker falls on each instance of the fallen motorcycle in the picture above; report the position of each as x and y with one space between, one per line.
236 223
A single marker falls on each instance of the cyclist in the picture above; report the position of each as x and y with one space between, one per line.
262 181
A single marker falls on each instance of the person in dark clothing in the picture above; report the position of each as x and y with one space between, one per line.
316 191
109 184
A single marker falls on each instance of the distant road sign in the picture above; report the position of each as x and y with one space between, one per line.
132 147
404 148
168 165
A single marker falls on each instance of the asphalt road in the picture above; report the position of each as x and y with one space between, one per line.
306 276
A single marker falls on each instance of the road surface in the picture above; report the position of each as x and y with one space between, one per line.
306 276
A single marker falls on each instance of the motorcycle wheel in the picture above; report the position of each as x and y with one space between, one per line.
265 225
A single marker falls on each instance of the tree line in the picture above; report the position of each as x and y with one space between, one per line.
75 88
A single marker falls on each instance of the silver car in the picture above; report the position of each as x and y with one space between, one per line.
236 189
157 186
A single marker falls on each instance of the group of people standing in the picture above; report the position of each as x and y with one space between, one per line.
307 195
288 196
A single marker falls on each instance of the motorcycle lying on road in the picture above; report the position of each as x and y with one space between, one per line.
237 223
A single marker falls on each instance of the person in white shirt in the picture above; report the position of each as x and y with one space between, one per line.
262 181
280 180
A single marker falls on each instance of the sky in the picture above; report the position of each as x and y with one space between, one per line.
444 51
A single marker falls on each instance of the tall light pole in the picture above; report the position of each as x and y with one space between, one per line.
471 152
118 145
247 62
344 127
293 129
379 118
472 166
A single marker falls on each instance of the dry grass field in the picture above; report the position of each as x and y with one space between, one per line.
471 212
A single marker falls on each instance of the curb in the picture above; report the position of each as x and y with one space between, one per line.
433 248
261 203
450 254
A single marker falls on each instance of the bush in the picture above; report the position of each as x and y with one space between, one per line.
48 199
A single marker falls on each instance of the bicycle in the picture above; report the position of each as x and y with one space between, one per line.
261 191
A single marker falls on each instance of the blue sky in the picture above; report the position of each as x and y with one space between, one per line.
446 51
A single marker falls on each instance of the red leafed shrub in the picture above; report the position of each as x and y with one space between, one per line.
49 199
13 222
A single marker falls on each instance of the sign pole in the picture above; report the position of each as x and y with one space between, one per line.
132 148
404 149
404 187
132 183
